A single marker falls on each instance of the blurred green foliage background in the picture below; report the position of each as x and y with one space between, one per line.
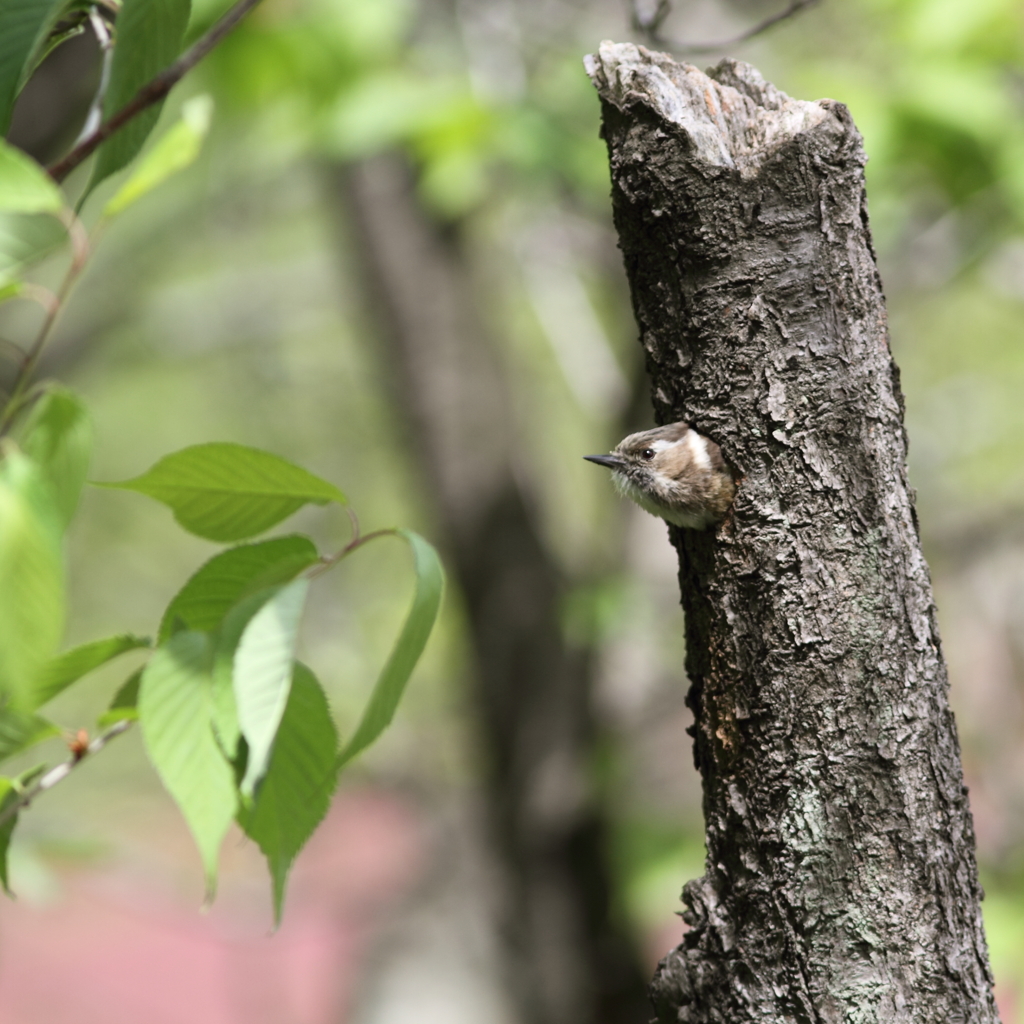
230 306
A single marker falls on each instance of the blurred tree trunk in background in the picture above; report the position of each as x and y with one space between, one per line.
840 881
569 960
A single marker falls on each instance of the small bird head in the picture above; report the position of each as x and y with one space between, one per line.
672 472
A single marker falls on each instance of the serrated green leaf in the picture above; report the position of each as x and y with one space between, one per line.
296 791
149 35
228 492
58 437
176 715
232 575
60 672
24 25
31 576
26 238
418 625
20 730
262 674
178 148
124 705
25 187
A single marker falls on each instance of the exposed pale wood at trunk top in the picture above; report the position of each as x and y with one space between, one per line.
840 883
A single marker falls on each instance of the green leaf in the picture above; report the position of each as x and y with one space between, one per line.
26 238
232 575
225 715
176 715
25 187
296 791
227 492
149 34
226 592
31 576
178 148
226 640
8 795
66 668
418 625
262 674
24 25
58 437
10 792
20 730
125 703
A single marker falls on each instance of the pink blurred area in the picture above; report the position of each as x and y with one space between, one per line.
114 948
1008 1001
125 942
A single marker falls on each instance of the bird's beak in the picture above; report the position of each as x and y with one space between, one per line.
611 461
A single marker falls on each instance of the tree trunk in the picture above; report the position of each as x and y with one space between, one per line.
569 960
840 879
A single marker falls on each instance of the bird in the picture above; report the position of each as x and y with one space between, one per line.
672 472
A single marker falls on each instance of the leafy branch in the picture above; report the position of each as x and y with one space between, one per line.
237 728
81 750
153 91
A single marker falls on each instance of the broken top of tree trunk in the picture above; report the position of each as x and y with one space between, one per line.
840 882
734 119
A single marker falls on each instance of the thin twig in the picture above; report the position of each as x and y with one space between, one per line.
40 295
79 257
153 91
353 520
651 27
358 541
61 771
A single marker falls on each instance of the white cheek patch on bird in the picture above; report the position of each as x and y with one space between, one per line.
698 449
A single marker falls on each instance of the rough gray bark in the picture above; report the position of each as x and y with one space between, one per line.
840 879
570 961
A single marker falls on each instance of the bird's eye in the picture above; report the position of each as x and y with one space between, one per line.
647 453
